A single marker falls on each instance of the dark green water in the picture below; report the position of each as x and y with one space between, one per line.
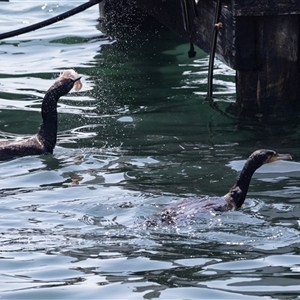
139 136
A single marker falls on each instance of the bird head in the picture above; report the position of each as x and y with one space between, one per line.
65 82
71 74
264 156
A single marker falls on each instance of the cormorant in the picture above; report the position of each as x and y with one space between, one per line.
186 209
44 141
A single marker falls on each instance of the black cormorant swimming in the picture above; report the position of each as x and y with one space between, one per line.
44 141
186 209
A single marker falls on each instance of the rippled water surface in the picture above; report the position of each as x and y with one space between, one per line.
138 136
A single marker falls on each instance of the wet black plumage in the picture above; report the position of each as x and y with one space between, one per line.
45 140
186 209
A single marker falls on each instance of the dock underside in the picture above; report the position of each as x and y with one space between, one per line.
259 39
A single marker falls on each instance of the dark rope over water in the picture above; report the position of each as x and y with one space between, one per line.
50 21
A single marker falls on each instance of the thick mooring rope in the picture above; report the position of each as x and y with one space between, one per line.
50 21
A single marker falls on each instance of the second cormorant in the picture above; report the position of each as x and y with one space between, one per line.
186 209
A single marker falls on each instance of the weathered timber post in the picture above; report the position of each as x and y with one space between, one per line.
260 39
270 82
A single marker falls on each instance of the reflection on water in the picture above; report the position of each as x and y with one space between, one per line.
139 136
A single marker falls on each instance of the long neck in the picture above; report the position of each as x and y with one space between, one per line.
238 192
48 129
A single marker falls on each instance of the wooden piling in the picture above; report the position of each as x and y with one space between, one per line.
272 82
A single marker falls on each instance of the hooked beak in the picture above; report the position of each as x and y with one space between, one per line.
282 157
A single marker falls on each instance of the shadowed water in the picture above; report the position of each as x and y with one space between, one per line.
139 136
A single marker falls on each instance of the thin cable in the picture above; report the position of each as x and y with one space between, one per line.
50 21
213 49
